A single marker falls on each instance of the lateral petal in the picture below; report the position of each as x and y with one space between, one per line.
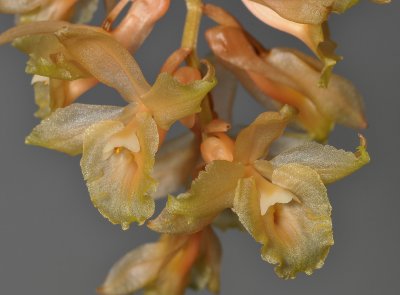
170 100
330 163
140 267
118 68
64 129
174 164
253 141
211 192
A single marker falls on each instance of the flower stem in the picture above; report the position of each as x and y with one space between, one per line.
189 40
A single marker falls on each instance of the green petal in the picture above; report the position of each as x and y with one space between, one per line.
118 176
84 11
19 6
49 58
206 271
339 102
307 11
174 164
212 192
300 233
247 206
224 92
170 100
140 267
64 129
253 141
330 163
118 68
296 235
42 96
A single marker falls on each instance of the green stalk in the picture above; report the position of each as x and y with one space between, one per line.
189 40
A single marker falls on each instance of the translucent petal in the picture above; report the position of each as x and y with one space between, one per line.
174 164
247 206
307 11
118 69
169 100
330 163
42 96
244 57
340 101
19 6
299 233
224 93
206 271
84 11
119 179
49 10
315 35
48 57
211 192
287 141
227 220
64 129
290 77
253 141
140 267
296 236
253 197
40 28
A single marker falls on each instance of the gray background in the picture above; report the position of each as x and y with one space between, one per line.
53 241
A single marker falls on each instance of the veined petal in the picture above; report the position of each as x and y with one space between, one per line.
247 207
84 11
307 11
296 235
315 36
64 129
206 271
41 89
169 100
140 267
224 92
19 6
49 10
253 141
40 28
48 57
330 163
299 233
249 62
174 164
118 174
339 102
227 219
212 192
118 69
287 141
252 198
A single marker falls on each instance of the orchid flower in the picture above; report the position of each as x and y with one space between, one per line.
168 266
307 21
285 75
281 202
118 144
57 84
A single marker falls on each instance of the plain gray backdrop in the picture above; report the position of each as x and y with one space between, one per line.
53 241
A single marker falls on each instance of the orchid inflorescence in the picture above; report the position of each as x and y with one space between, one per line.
267 178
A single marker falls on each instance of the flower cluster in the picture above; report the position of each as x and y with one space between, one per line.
267 178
